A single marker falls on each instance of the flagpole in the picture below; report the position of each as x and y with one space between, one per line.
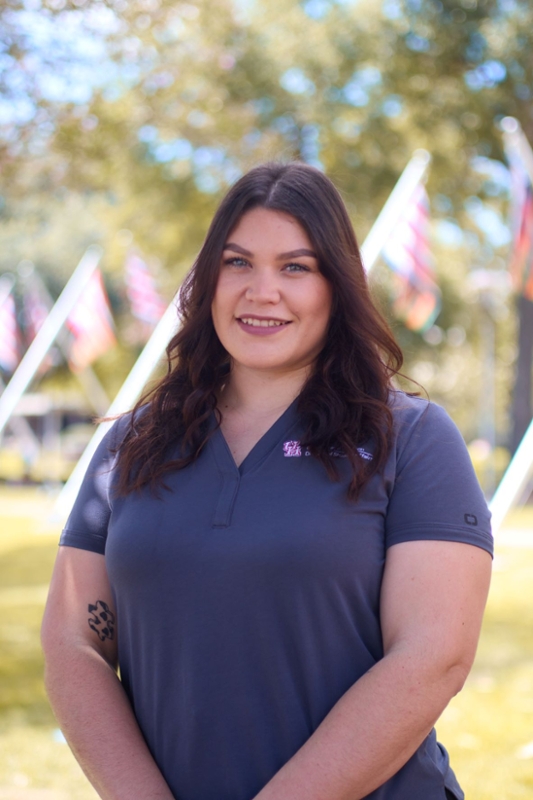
412 175
7 282
145 364
514 480
515 141
520 468
19 426
46 336
125 399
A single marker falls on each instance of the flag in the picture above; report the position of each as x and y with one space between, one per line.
91 325
37 304
521 261
36 308
145 301
9 332
417 297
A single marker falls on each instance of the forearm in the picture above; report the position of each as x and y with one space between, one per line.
100 727
368 735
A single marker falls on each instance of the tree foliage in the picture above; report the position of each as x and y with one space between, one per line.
143 112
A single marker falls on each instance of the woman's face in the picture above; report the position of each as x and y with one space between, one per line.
272 304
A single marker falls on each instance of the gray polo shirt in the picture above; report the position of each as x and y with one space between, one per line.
247 598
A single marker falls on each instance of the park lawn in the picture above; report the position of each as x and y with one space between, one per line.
488 727
34 763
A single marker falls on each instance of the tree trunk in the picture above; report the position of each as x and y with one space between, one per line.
522 406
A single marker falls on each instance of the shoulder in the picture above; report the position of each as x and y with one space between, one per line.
123 426
107 442
435 493
411 410
422 424
408 411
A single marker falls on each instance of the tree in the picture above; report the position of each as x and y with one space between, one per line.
183 99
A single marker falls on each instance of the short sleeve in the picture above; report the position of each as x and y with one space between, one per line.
436 494
86 527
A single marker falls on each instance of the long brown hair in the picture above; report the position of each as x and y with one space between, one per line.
344 402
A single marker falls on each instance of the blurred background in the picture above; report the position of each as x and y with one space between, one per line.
122 124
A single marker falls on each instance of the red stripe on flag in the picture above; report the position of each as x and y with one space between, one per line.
521 260
91 324
36 309
417 297
145 301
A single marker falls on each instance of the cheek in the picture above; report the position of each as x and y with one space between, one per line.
221 302
226 294
322 303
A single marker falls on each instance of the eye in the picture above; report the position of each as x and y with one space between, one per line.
293 267
236 261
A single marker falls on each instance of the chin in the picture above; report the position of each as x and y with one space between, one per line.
264 364
270 362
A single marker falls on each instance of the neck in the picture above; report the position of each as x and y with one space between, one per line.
260 392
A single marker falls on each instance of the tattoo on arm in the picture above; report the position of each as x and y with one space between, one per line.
102 620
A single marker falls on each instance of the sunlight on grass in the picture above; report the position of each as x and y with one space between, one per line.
488 727
34 763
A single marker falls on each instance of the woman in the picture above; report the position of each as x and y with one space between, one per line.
287 558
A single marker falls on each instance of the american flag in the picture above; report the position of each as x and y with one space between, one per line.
9 329
91 325
521 262
145 301
36 308
37 304
417 299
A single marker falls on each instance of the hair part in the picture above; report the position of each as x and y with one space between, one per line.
345 401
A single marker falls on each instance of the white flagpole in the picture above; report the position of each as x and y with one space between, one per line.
19 425
125 399
514 480
520 468
413 173
143 368
7 282
515 141
45 338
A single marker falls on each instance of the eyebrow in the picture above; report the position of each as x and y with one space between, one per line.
303 251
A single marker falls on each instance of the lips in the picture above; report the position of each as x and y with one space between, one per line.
261 326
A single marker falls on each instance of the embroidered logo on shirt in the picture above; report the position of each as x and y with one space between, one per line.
293 449
470 519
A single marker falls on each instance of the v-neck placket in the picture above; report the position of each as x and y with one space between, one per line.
231 473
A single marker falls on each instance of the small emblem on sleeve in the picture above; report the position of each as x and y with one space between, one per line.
470 519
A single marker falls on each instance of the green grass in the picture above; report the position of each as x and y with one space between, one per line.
486 728
34 765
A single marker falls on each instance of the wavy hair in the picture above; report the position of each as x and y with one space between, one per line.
345 400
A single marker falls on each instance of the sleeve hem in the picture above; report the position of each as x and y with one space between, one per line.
448 533
440 526
83 541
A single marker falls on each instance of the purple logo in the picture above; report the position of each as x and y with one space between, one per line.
292 449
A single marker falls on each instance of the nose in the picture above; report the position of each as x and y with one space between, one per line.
263 286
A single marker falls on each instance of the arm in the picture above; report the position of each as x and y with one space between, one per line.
84 689
432 602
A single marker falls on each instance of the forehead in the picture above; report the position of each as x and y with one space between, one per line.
265 229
